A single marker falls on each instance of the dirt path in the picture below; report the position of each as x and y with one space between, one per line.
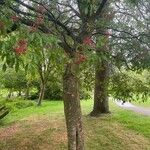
137 109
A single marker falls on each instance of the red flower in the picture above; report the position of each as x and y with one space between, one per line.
89 41
15 18
81 59
21 47
41 9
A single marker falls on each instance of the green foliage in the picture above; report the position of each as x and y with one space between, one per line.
130 86
23 104
49 107
43 49
84 94
15 104
14 80
53 91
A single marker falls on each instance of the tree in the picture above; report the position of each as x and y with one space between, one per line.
73 22
101 80
14 81
128 41
130 85
71 33
41 59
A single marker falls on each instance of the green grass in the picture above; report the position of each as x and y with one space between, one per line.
127 118
44 128
51 108
143 104
131 120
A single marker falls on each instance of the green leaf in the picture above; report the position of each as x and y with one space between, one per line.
17 67
4 67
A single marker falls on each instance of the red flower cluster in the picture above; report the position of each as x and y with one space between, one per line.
89 41
41 9
21 47
15 18
39 21
81 59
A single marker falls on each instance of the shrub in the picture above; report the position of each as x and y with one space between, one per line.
23 104
13 104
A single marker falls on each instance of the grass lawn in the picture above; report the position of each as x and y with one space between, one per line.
143 104
43 128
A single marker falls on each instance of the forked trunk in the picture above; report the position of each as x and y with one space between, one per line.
41 95
72 108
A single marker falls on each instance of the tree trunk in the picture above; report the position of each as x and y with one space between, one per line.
72 108
41 95
27 91
9 94
19 93
101 85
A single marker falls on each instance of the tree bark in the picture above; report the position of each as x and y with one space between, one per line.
9 94
27 91
41 95
19 93
72 108
101 85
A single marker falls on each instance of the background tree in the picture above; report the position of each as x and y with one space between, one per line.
14 81
126 25
129 85
43 58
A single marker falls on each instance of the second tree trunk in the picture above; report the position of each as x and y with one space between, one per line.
41 95
101 83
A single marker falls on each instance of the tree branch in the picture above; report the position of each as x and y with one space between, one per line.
100 8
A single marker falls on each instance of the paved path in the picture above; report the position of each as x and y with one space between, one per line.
129 106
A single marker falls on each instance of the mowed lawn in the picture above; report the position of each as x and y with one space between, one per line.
143 104
43 128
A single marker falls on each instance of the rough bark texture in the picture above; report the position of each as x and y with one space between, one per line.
101 85
41 95
72 108
27 91
101 92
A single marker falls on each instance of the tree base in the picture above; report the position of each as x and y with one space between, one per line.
39 104
98 113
